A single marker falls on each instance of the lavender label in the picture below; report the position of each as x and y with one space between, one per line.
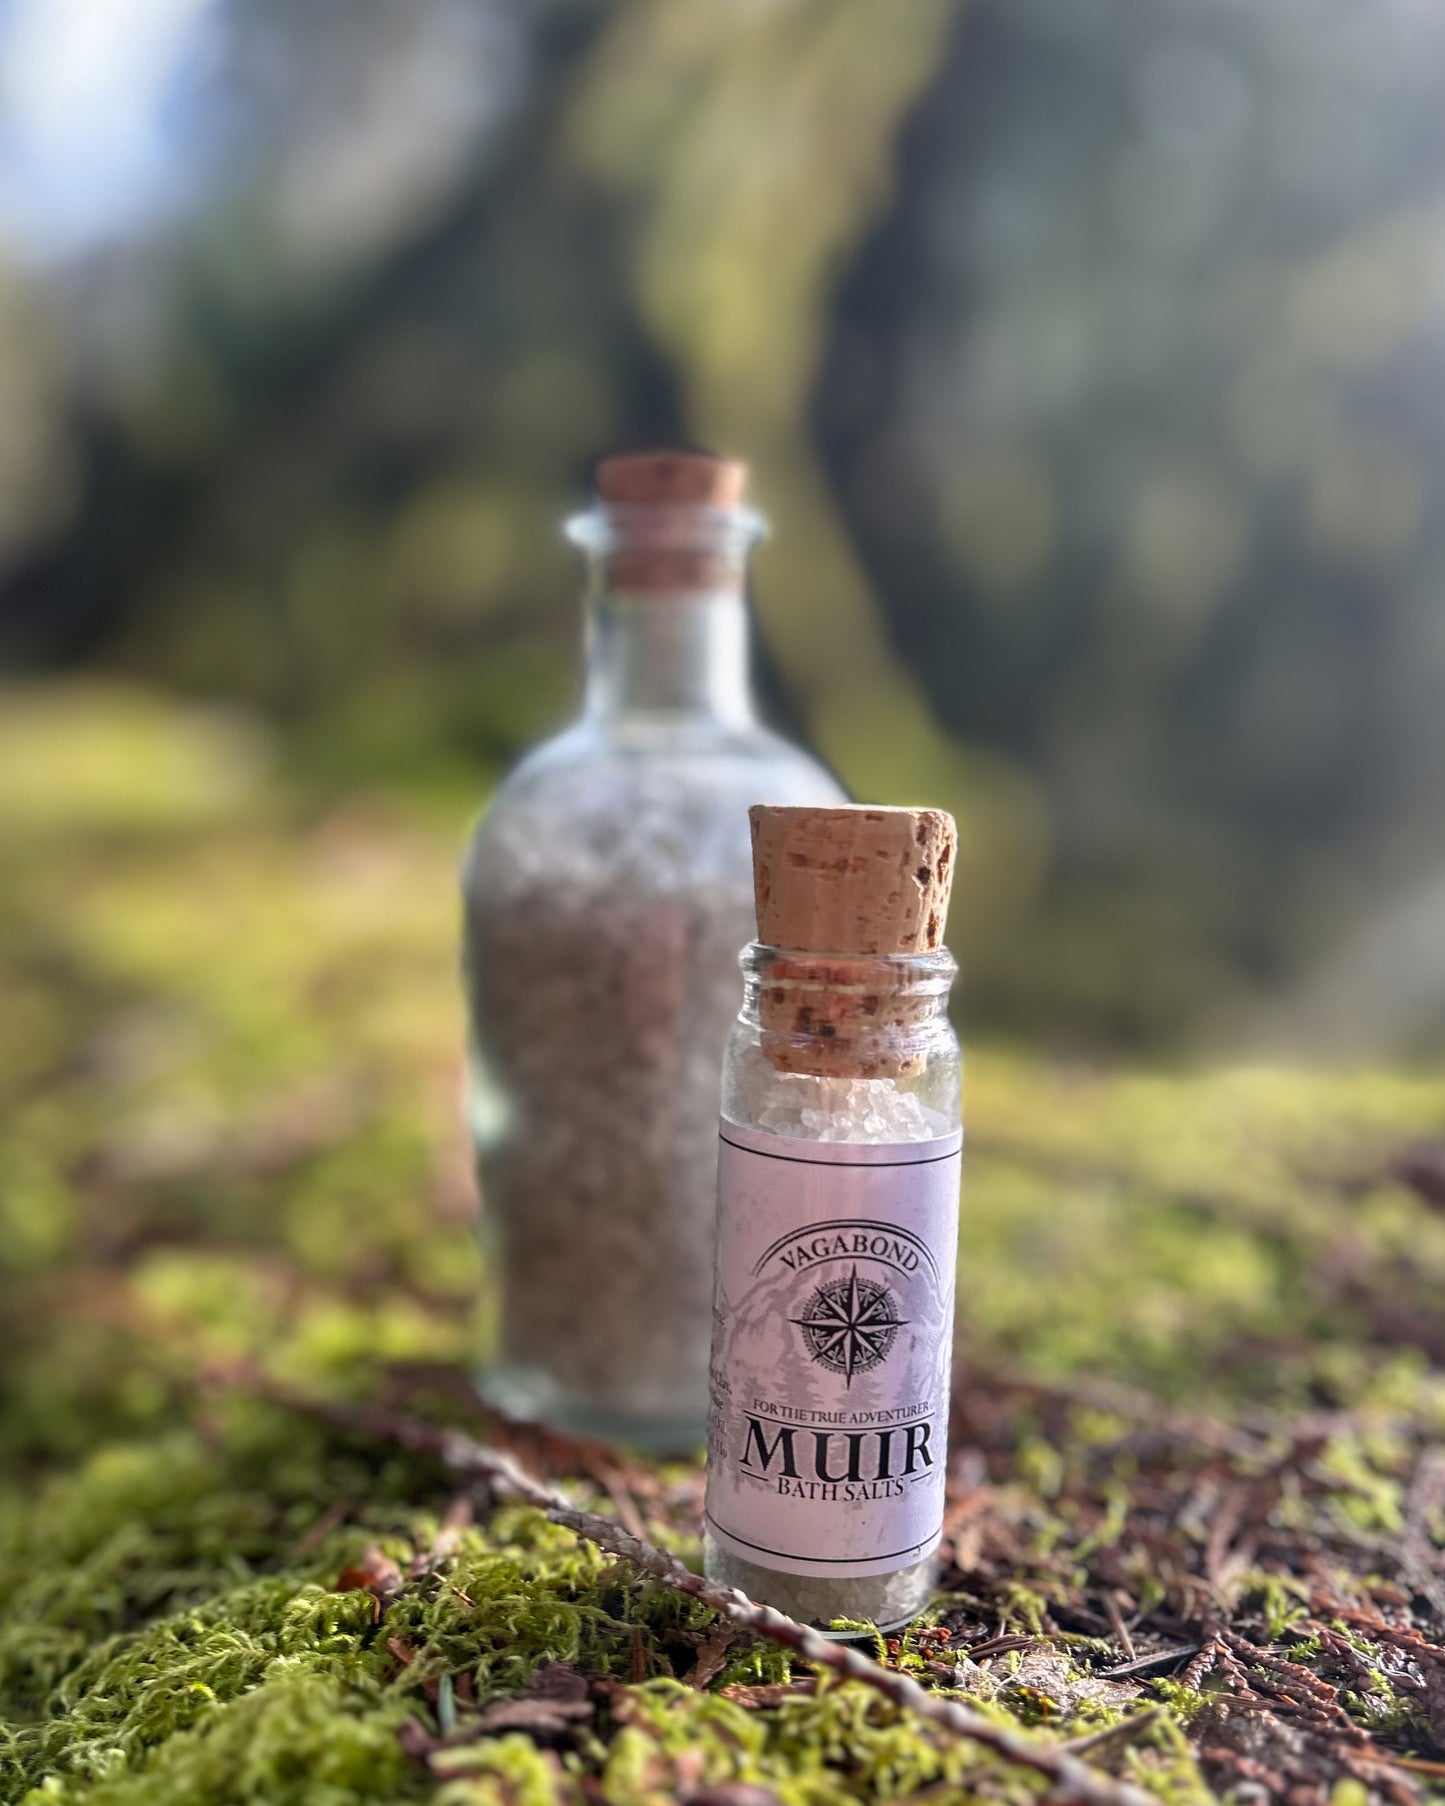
832 1337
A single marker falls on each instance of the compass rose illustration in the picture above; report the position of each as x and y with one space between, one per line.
850 1325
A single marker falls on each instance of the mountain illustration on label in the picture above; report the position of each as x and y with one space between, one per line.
850 1325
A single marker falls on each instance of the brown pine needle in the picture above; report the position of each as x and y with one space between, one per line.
1121 1629
1123 1732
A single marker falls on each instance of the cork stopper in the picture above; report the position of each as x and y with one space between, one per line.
835 889
671 478
667 544
858 879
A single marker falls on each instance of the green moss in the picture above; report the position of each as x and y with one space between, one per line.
229 1082
505 1771
298 1736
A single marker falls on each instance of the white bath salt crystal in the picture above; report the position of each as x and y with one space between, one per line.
822 1109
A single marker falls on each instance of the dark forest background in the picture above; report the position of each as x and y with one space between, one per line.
1089 356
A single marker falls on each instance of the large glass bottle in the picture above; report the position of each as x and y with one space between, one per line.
606 892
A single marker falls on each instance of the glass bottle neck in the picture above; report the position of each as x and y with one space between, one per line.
667 625
848 1015
667 655
925 979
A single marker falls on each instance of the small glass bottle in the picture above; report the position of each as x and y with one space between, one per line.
837 1223
606 891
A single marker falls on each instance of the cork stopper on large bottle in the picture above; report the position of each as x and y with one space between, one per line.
666 507
837 888
671 479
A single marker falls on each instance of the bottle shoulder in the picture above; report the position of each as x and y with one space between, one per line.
677 740
585 768
653 806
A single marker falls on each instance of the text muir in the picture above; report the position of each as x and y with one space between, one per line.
836 1455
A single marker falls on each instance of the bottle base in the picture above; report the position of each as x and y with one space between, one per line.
532 1396
884 1602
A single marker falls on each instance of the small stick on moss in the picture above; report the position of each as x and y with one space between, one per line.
335 1514
1121 1629
1162 1658
1123 1732
458 1517
1070 1778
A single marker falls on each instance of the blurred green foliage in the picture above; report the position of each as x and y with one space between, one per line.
1086 355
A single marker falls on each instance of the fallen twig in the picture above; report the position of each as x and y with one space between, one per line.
1145 1664
770 1693
1121 1629
1122 1732
458 1517
992 1646
1068 1775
